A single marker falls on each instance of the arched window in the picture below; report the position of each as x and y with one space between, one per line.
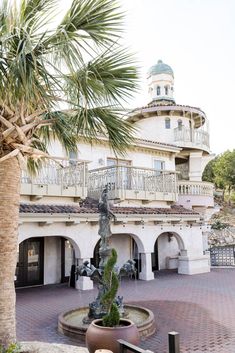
158 90
180 124
167 123
166 90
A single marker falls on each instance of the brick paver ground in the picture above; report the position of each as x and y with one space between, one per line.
200 307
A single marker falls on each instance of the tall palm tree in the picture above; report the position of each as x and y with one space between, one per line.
58 79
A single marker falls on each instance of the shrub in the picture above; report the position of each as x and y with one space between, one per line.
12 348
111 284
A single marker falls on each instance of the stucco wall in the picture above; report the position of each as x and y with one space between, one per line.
52 260
122 244
153 128
166 249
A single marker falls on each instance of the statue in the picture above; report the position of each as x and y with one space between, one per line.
104 219
96 308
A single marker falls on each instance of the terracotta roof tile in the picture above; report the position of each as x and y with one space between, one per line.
55 209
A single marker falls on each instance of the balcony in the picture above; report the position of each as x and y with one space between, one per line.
195 194
186 137
132 183
57 178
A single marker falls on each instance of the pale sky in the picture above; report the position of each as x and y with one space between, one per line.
197 39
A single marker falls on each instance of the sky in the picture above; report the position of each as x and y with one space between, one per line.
197 39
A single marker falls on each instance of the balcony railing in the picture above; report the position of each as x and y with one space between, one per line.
126 182
195 188
191 137
57 178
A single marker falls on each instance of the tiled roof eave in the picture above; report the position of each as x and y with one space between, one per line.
176 107
73 210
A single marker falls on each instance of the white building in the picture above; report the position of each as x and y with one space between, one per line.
161 172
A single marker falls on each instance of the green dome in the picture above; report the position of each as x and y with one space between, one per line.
160 68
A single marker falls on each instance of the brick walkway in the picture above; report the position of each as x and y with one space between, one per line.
200 307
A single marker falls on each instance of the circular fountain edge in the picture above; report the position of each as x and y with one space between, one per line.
146 328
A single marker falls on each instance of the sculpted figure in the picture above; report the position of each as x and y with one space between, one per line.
104 218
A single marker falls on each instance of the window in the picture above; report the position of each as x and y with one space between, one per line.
166 90
180 124
159 165
167 123
158 90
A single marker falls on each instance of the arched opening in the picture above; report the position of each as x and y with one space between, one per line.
180 124
44 260
167 123
127 248
167 249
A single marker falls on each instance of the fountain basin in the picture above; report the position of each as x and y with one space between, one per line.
70 322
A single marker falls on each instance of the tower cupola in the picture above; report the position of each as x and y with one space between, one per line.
161 83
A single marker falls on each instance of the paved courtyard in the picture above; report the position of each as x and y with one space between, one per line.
200 307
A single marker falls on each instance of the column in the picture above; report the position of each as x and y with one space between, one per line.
195 166
146 273
82 282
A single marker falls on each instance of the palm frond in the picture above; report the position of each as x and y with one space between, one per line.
75 65
105 121
60 129
111 77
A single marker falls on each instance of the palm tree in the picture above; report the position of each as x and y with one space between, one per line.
57 81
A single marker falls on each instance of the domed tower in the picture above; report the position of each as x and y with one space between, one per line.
161 83
162 120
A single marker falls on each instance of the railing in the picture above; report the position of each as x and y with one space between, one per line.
62 173
195 188
133 179
193 136
173 345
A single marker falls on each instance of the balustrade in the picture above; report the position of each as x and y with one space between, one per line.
55 176
193 136
126 178
195 188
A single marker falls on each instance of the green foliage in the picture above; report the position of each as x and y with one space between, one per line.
12 348
218 225
225 170
111 284
74 64
112 319
209 171
221 171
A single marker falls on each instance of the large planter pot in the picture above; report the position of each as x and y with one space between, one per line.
100 337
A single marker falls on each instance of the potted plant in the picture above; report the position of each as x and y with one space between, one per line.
104 333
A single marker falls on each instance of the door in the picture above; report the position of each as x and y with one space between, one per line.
29 268
155 266
123 172
67 259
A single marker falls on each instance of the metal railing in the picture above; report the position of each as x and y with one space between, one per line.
173 345
59 172
194 136
132 178
195 188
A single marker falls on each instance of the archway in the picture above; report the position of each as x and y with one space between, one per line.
127 245
167 249
45 260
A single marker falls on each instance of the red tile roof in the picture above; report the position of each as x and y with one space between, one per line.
76 209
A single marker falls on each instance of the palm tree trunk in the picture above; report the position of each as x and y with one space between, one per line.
9 217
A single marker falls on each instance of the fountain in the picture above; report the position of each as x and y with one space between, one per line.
74 323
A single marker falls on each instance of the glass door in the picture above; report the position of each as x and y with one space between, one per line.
29 269
67 259
123 171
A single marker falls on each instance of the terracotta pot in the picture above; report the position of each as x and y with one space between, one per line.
100 337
